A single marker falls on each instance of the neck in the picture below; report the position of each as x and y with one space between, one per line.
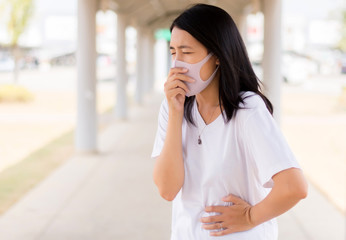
209 97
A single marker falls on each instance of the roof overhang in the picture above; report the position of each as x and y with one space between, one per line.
155 14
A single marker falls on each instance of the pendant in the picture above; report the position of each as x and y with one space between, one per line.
199 140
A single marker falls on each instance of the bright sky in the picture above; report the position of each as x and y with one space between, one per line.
61 6
311 8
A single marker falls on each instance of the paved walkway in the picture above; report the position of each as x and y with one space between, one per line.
112 196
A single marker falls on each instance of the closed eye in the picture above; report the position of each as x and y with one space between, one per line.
173 53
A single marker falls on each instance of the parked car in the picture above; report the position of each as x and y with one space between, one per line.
6 64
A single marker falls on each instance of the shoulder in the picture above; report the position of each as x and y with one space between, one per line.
251 101
252 106
253 116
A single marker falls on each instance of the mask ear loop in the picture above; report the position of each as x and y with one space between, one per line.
206 59
214 73
201 63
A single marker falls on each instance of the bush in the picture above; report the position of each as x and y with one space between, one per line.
14 93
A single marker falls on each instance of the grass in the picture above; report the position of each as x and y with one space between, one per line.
14 93
18 179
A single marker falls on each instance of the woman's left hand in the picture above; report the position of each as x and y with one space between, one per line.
235 218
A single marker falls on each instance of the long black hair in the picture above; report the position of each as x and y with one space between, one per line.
216 30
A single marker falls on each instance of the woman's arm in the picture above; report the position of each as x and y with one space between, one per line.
169 167
289 188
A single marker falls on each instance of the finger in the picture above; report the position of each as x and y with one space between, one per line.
184 78
174 92
218 209
233 199
212 226
176 84
181 77
177 70
212 219
223 232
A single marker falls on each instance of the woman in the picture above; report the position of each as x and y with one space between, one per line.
219 154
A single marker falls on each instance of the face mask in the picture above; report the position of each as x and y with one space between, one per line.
194 72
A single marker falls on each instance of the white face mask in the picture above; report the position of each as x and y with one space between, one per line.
194 72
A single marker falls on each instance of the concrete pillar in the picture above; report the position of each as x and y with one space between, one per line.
161 63
140 66
148 61
272 76
86 127
242 26
151 60
145 62
121 76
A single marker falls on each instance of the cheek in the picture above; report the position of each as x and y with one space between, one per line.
207 70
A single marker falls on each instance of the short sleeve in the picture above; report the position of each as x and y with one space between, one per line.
266 146
161 129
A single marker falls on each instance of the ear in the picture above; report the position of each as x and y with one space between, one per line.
217 61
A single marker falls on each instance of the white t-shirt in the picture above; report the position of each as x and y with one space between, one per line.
239 157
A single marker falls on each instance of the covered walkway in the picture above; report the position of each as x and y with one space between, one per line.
111 195
147 16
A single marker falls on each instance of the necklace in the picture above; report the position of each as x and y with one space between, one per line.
199 135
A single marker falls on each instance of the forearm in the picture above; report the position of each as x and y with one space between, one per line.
283 197
169 166
272 206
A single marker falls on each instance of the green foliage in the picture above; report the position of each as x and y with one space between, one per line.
17 14
14 93
18 179
342 42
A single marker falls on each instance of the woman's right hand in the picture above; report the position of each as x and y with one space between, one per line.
175 88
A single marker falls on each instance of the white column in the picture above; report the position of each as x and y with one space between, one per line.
148 61
272 76
121 77
145 61
242 26
139 67
151 61
161 63
86 128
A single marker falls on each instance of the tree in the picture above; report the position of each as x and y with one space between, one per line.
342 42
17 14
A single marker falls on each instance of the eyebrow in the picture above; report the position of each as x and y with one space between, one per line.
180 47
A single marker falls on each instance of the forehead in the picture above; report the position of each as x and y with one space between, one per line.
182 37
